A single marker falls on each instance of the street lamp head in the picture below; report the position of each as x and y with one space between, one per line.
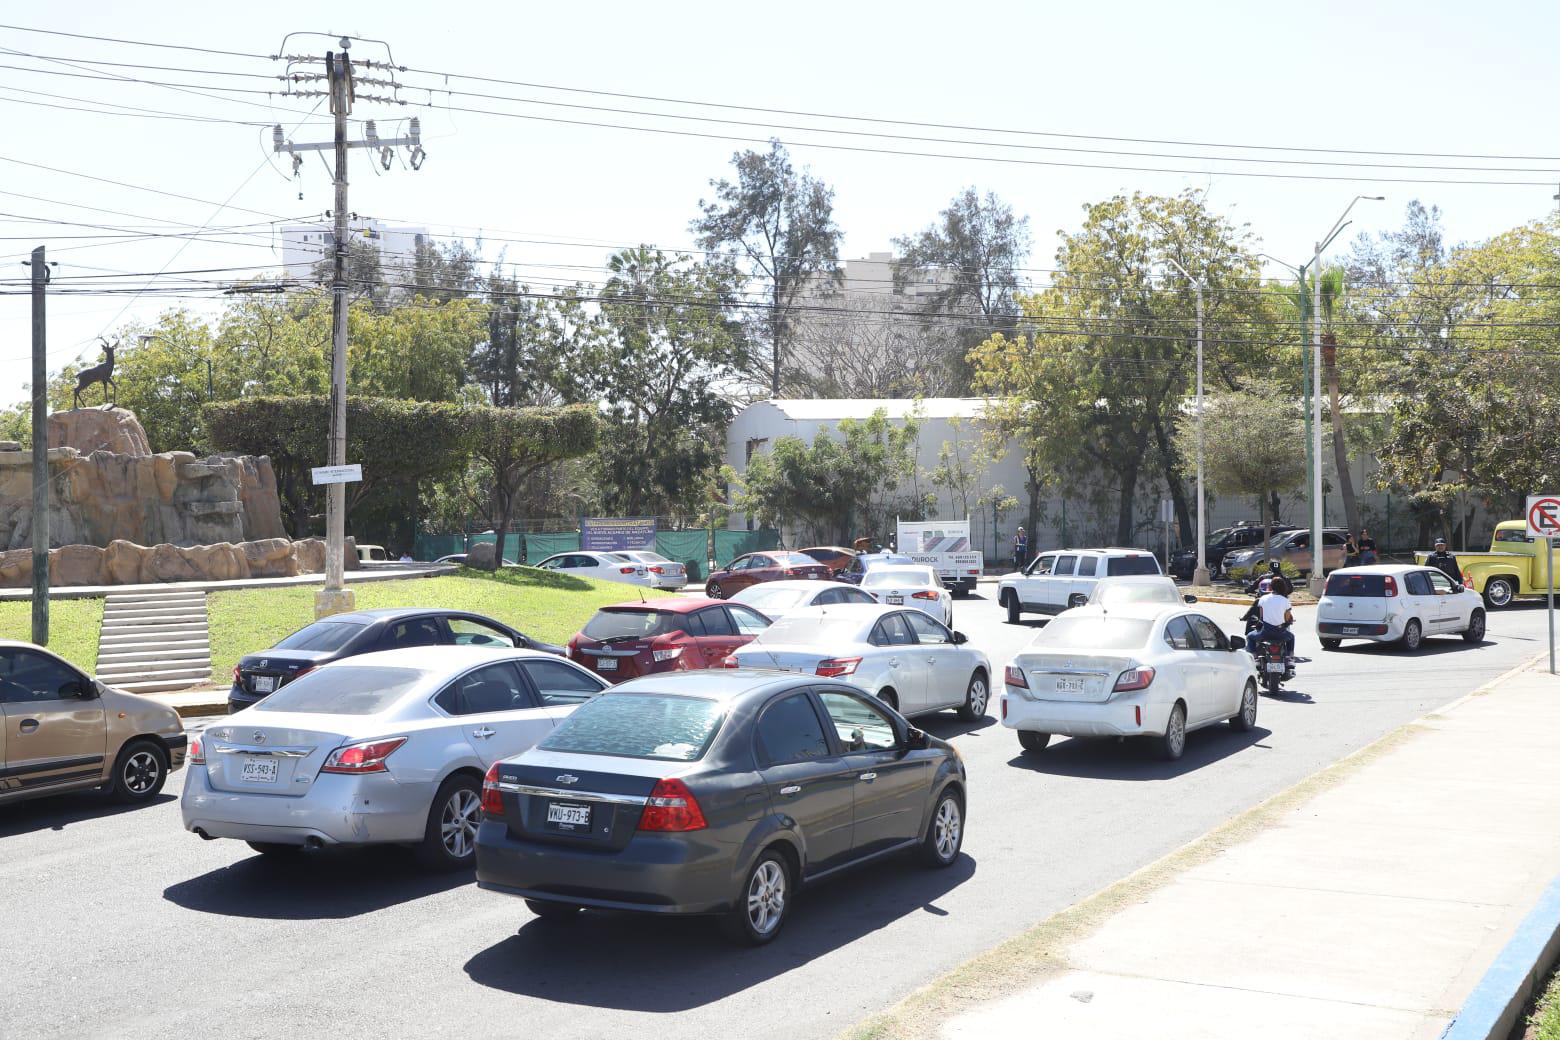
1374 198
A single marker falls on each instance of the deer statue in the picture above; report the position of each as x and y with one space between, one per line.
103 373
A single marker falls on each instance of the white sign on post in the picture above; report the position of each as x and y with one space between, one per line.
337 474
1543 521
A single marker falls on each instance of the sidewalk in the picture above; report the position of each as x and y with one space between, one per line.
1367 903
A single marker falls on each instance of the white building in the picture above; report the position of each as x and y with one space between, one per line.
305 245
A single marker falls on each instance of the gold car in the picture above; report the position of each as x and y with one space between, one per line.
65 731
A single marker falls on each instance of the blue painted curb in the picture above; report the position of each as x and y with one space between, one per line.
1492 1008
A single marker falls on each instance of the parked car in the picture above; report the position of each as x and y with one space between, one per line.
1063 578
603 566
260 674
1244 535
775 565
671 634
836 558
1396 603
905 659
910 585
372 554
381 748
1513 568
1293 548
664 573
1141 670
460 560
717 793
775 599
1147 588
866 561
65 731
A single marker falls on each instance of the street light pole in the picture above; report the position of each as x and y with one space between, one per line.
1200 576
211 390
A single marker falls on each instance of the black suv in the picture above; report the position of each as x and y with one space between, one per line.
1183 562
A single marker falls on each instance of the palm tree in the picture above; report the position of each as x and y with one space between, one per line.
1329 289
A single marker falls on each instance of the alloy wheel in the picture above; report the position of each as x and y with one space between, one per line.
948 828
1175 733
458 823
766 897
1248 705
141 772
978 695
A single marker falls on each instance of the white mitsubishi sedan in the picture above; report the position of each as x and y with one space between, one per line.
910 585
1396 603
1133 670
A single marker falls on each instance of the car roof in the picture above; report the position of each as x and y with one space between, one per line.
372 614
1115 580
438 659
717 684
1135 611
796 583
828 548
862 612
1111 549
668 605
1383 568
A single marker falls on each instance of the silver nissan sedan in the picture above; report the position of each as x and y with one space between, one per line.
382 748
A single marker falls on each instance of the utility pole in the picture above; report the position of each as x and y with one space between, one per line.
40 452
1200 576
335 597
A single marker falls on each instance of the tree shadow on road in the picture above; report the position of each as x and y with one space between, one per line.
309 886
57 812
1110 759
635 962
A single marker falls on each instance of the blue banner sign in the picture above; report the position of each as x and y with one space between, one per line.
608 534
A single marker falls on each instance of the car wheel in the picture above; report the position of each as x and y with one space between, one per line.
976 696
139 772
1498 592
765 900
1014 614
1474 633
1246 719
1173 744
945 834
1413 635
713 590
889 697
274 848
1033 743
450 837
1331 644
548 911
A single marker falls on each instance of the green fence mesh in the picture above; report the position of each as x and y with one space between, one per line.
731 544
540 546
689 548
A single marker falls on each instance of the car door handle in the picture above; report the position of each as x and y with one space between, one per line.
868 777
791 789
482 732
29 726
893 662
931 660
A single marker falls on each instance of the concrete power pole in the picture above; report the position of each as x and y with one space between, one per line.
40 452
335 597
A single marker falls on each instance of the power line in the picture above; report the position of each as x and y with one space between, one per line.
137 43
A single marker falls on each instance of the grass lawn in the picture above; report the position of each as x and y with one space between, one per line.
1544 1023
73 627
542 604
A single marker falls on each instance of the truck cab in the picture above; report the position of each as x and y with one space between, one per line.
1515 567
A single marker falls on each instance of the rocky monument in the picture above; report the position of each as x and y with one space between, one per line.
119 514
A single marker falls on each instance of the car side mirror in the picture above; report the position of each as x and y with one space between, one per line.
960 637
1189 598
1237 643
916 740
86 690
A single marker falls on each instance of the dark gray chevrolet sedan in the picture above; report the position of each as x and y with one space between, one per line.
715 792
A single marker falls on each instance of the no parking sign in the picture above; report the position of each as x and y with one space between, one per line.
1543 521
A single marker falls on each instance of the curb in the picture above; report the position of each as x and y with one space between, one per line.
1493 1008
198 711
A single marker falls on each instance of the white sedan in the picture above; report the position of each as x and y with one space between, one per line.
910 585
664 573
1146 588
603 566
1396 603
907 660
1137 670
775 599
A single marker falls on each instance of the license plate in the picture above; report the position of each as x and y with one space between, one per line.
606 664
1069 686
567 816
258 771
815 577
1275 667
895 601
265 683
1350 630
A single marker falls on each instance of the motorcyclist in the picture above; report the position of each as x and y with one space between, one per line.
1260 584
1444 562
1274 612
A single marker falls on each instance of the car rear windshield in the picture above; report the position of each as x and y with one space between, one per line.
322 635
823 632
1095 633
897 576
610 625
794 559
1357 586
1122 565
650 725
343 689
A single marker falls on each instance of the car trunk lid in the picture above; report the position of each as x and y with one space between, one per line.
1083 676
280 756
569 799
614 660
779 657
268 672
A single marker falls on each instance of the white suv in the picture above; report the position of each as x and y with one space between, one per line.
1056 580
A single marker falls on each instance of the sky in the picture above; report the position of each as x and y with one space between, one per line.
557 198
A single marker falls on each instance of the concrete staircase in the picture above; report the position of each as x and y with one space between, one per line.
154 641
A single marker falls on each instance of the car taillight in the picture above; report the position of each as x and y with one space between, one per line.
1134 679
656 570
625 570
671 807
238 676
670 653
197 753
925 594
1391 583
305 670
1014 676
834 667
492 797
730 661
367 756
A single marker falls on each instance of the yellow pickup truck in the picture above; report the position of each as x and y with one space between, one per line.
1513 567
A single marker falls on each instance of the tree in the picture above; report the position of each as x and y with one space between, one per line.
874 345
779 226
971 255
1253 443
960 465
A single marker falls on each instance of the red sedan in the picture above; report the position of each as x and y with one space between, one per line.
775 565
664 635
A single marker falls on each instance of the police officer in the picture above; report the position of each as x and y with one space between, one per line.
1444 562
1020 548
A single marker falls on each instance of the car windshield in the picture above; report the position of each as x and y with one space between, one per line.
1121 566
628 623
822 631
1095 633
767 597
322 635
343 689
898 576
662 726
1219 537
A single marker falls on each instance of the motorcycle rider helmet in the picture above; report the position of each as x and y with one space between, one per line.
1274 567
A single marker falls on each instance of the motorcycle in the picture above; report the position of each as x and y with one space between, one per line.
1273 668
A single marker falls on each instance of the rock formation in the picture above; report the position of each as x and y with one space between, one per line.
87 430
125 563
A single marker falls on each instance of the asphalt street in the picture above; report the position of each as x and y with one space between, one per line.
120 924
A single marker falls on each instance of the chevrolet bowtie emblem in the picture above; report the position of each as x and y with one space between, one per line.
568 778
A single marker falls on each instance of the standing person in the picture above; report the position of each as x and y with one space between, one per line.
1444 562
1351 551
1020 549
1367 547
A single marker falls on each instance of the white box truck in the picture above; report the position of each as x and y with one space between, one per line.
945 546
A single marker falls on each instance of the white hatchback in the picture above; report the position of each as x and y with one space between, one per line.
1135 670
909 585
1396 603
